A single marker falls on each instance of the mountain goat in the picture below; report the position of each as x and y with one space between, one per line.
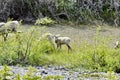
8 27
62 41
12 26
58 41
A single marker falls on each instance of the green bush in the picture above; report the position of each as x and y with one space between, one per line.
19 49
44 21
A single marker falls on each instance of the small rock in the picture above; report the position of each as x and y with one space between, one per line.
44 72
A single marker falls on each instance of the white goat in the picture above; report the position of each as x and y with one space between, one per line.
8 27
117 45
62 41
12 26
58 41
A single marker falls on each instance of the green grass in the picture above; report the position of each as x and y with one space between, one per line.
28 48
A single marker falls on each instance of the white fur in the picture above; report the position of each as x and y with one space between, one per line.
117 45
12 24
16 23
63 41
51 38
2 28
58 41
2 24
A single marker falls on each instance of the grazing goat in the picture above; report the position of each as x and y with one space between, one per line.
117 45
61 41
12 26
58 41
8 27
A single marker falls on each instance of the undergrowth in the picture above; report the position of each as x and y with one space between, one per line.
30 48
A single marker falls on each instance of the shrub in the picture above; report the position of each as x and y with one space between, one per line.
45 21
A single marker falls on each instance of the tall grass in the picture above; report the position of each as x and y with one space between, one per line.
29 48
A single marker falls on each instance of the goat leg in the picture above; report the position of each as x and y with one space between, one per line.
69 48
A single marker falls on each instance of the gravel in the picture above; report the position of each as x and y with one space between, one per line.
67 74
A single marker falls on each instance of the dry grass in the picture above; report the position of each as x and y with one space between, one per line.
81 33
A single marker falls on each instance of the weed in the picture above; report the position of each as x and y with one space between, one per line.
6 73
30 75
44 21
111 75
53 78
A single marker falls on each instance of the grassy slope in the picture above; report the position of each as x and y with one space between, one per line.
92 47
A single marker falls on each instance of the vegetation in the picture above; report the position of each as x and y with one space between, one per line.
44 21
78 11
33 50
7 74
30 75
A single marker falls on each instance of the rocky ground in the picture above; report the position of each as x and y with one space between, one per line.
67 74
